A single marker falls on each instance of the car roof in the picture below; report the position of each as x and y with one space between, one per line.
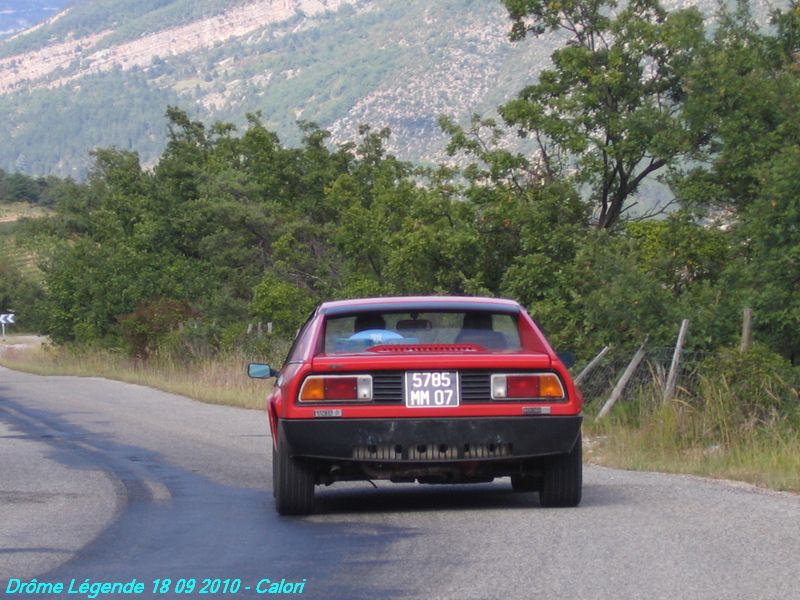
420 303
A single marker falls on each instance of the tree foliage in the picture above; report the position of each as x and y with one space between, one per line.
233 227
609 111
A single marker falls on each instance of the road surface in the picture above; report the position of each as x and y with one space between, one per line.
111 482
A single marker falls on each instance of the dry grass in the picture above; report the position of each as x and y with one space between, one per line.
13 211
710 436
221 380
771 461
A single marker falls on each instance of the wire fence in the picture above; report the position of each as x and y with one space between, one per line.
650 374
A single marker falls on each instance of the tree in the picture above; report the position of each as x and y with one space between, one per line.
769 268
679 252
744 89
610 108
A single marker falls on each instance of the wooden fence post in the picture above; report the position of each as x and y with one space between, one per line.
747 329
590 367
672 378
623 381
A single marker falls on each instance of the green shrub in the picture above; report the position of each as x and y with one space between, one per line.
740 396
753 387
147 327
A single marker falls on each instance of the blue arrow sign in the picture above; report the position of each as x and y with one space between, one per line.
6 319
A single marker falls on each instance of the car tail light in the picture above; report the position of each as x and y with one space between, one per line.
337 388
527 386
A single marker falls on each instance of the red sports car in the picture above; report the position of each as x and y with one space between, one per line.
428 389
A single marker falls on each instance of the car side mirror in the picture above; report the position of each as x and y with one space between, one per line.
567 358
260 371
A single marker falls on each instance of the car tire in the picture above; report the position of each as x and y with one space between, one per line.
293 484
274 472
563 479
525 483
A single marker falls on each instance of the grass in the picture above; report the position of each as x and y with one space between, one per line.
769 460
712 435
11 212
221 380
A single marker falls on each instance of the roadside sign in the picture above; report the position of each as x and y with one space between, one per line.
6 319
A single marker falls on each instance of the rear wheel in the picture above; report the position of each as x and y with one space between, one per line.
274 472
293 483
525 483
563 479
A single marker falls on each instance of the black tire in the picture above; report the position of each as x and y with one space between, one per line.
563 479
525 483
274 472
293 484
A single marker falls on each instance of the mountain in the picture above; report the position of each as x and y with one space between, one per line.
102 72
19 15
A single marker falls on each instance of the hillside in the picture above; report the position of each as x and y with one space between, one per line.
102 72
20 15
339 63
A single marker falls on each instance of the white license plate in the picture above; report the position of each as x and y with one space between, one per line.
432 389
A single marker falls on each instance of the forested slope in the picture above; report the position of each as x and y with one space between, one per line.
388 63
102 73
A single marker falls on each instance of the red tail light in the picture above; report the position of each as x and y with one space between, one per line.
527 386
336 388
341 388
522 386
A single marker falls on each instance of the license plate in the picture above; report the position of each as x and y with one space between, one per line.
432 389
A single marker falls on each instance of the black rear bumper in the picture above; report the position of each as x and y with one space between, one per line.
430 440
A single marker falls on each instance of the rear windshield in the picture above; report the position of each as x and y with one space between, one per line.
358 332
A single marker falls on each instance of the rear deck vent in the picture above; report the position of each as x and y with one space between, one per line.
426 348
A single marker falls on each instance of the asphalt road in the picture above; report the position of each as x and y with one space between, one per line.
111 482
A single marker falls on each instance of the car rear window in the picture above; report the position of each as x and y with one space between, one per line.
357 332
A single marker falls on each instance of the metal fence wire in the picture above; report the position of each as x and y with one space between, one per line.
650 374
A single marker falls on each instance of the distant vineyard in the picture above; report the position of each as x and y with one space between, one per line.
13 252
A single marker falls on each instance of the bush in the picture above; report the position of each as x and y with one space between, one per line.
743 391
282 303
255 346
147 327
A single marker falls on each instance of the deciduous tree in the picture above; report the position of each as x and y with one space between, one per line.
609 111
